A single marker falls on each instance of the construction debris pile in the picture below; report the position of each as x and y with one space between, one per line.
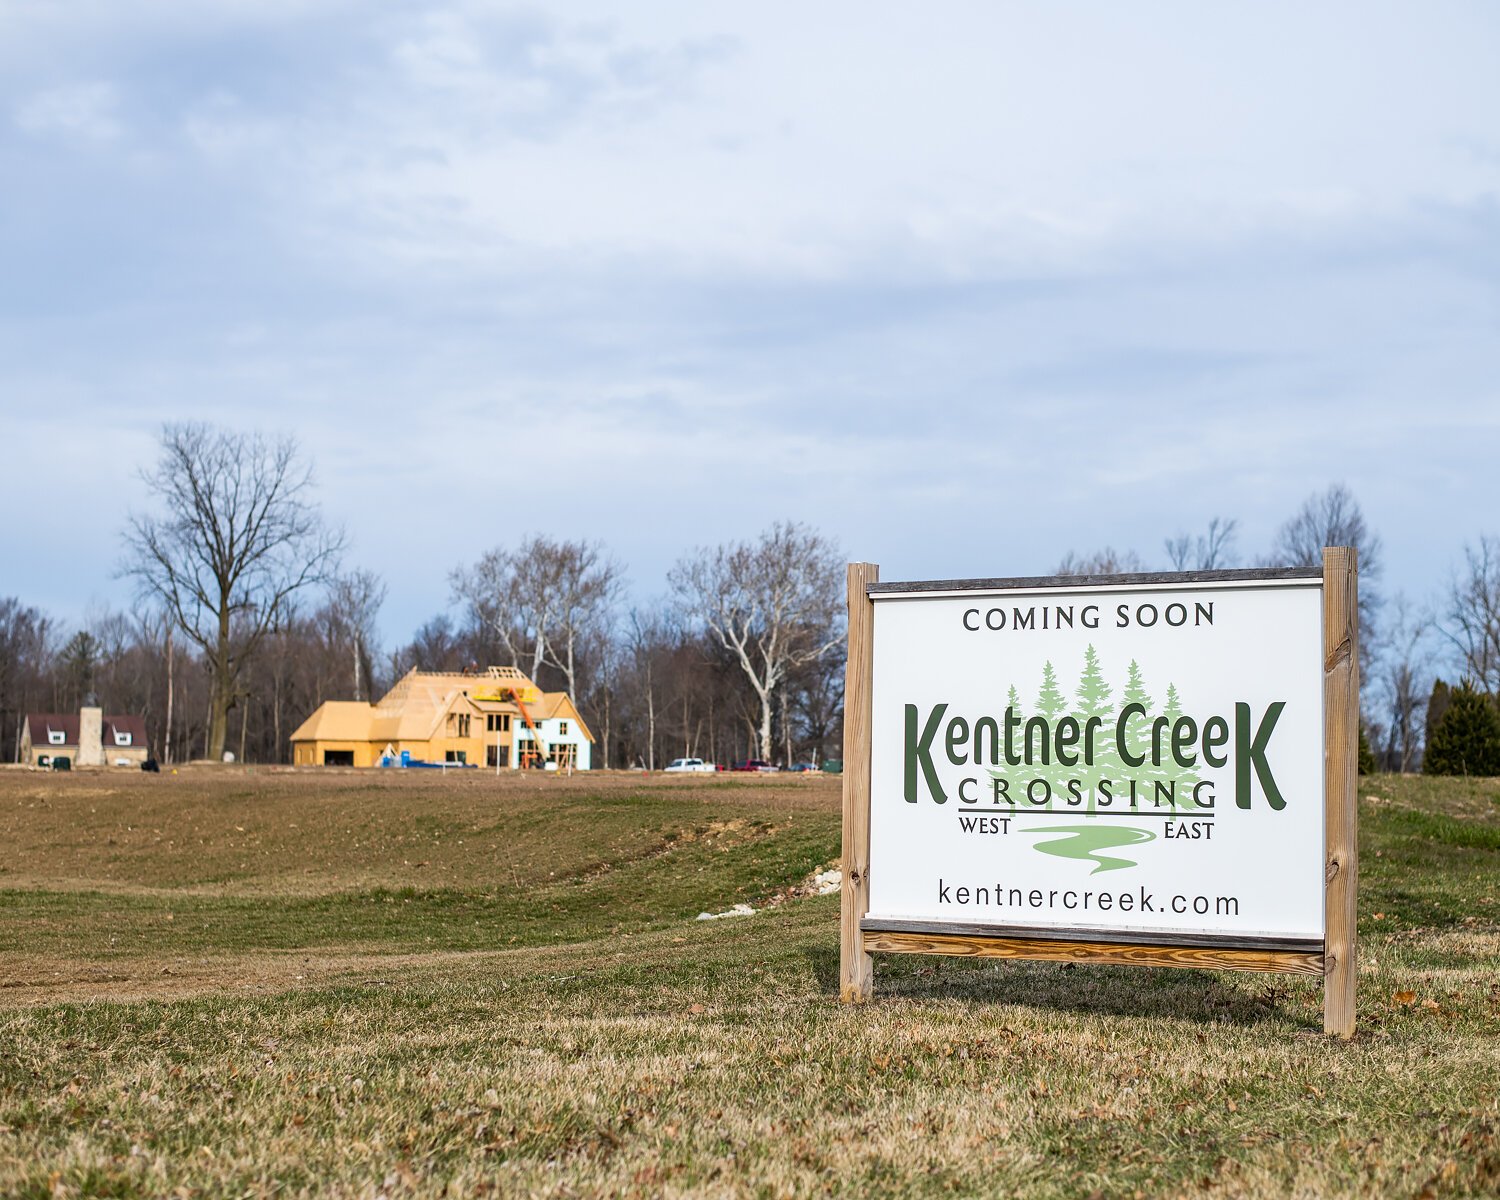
821 883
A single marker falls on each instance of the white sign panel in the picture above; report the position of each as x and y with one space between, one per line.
1144 758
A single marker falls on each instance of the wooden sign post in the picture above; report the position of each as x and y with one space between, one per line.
1341 784
856 968
1210 783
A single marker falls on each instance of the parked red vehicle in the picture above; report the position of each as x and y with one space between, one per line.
752 764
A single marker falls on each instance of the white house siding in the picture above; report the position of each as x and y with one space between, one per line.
552 736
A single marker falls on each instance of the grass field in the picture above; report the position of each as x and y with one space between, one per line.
359 984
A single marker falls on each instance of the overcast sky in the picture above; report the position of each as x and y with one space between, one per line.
965 286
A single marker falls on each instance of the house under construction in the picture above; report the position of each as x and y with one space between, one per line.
492 718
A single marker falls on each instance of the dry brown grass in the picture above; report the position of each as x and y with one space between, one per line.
673 1058
302 832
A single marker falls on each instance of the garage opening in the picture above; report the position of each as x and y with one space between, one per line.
338 758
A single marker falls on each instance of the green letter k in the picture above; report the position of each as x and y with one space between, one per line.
919 750
1248 753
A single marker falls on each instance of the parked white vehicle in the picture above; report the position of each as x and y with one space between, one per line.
681 765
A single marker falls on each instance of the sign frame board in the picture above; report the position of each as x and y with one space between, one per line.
1329 950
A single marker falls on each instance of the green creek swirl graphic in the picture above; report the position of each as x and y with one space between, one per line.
1086 841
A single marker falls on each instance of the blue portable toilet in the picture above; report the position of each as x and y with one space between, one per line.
406 758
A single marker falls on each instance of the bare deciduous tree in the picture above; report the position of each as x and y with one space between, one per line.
1405 682
644 641
1333 518
817 701
434 647
588 584
1473 613
354 601
543 601
774 605
1107 561
26 651
1210 551
239 537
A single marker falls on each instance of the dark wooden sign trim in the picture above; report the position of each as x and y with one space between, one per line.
1029 583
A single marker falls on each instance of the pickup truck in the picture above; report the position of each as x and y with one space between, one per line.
683 765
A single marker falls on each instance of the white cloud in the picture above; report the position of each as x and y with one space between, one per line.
839 142
82 110
226 133
1112 268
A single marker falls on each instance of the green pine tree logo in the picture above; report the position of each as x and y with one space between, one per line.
1108 776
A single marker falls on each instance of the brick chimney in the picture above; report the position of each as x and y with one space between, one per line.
90 737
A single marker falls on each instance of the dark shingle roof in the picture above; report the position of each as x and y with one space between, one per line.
43 723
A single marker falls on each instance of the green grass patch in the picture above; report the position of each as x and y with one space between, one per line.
1449 831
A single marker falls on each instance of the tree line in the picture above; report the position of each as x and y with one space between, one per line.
249 614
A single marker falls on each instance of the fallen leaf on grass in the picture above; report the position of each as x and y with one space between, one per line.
1404 998
696 1009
